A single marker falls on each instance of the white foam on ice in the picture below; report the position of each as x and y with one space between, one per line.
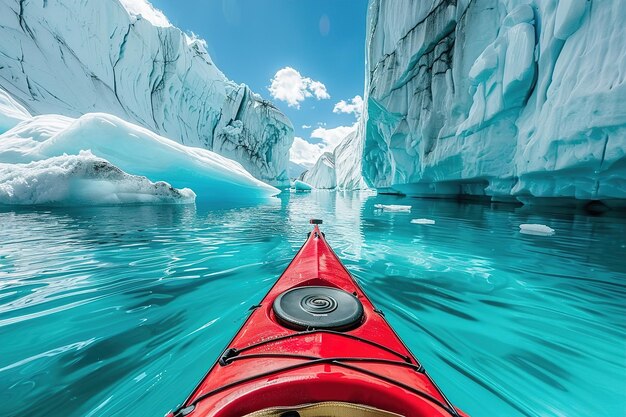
423 221
392 207
536 229
134 150
82 179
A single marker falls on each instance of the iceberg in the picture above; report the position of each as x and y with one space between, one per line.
422 221
495 99
536 229
73 57
301 186
340 169
392 207
82 179
322 175
133 150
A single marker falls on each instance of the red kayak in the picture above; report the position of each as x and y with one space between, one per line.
316 346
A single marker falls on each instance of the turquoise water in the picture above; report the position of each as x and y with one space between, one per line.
120 311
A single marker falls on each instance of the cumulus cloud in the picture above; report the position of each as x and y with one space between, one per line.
290 86
147 11
354 105
331 137
306 126
306 153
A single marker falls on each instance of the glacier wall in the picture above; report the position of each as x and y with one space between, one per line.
504 99
340 169
73 57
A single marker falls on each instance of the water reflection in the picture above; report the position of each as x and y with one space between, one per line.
121 310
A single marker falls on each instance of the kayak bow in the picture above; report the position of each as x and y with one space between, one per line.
316 346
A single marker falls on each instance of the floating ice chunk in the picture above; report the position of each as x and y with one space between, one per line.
135 150
82 179
536 229
423 221
392 207
301 186
11 112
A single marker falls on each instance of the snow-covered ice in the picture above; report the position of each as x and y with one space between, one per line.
134 150
299 185
73 57
536 229
423 221
82 179
11 112
392 207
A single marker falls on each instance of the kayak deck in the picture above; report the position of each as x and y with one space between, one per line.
268 364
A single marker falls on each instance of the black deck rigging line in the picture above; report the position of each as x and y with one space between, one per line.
307 332
417 368
185 409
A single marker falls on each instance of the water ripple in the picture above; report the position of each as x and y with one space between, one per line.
121 310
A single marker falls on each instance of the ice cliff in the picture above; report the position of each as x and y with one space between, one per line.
73 57
340 169
506 99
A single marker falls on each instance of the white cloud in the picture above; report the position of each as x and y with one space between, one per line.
306 126
290 86
331 137
306 153
354 105
147 11
319 90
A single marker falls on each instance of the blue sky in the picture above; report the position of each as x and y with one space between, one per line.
313 50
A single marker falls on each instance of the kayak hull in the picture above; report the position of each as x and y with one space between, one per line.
268 364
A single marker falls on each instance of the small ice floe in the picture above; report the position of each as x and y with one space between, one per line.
392 207
536 229
301 186
423 221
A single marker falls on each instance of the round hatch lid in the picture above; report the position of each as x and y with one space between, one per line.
318 308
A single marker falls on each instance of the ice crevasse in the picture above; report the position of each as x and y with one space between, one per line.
72 57
507 100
